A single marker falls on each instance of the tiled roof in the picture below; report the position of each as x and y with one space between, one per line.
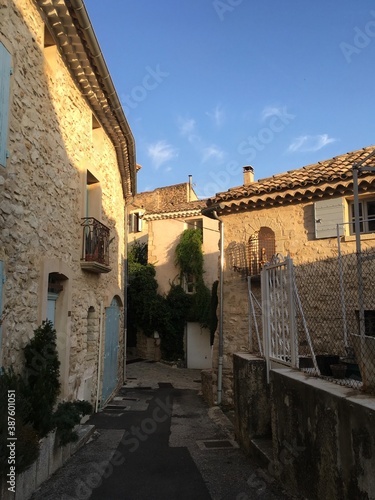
187 209
168 202
73 33
317 180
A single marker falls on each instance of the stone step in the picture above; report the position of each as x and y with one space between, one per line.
261 449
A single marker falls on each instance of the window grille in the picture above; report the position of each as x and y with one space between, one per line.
261 249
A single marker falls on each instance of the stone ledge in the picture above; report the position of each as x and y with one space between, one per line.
352 395
51 458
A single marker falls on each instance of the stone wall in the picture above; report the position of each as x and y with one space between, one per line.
321 437
148 347
332 432
51 146
251 400
294 228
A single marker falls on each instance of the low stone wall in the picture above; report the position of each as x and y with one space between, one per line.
251 400
148 347
51 458
323 434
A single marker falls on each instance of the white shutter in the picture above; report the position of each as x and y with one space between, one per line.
327 214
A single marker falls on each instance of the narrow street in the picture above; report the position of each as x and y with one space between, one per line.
158 440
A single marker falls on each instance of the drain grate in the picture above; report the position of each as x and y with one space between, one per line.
165 385
118 398
217 444
116 407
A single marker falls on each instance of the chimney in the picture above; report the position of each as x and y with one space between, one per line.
248 175
190 186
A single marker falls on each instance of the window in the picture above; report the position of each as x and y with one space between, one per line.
2 279
50 50
195 224
366 216
135 222
189 283
93 197
369 316
261 249
5 72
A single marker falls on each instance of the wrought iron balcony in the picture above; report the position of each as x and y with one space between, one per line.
95 247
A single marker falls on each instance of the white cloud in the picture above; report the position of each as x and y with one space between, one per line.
186 126
160 152
308 143
212 152
217 115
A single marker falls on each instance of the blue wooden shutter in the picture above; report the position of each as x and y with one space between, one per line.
1 303
5 69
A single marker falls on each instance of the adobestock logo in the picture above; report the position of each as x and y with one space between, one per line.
362 39
249 148
91 475
151 81
222 7
288 454
253 144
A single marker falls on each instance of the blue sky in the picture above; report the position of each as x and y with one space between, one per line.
209 86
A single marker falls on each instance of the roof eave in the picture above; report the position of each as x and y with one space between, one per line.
97 88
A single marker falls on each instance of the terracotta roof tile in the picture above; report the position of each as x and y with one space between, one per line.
316 179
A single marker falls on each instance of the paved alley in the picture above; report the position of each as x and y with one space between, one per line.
158 440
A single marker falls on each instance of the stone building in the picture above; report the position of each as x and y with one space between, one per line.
67 169
296 213
158 218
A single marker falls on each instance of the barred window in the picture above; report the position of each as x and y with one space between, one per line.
261 249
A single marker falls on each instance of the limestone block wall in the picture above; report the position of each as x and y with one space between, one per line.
323 438
320 435
294 228
51 146
251 399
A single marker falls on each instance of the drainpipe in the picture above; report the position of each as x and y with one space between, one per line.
213 215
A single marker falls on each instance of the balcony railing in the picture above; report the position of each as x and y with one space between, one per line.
95 248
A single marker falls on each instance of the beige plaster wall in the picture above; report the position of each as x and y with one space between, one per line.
164 236
51 145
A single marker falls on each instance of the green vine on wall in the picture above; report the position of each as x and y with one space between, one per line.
149 311
189 254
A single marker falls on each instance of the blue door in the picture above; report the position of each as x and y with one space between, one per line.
112 327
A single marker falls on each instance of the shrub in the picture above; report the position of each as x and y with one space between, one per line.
67 416
42 376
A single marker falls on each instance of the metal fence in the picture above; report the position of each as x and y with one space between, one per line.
330 296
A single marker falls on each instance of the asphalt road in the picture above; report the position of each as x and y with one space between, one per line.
158 440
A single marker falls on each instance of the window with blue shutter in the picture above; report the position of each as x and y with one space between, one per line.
5 70
1 301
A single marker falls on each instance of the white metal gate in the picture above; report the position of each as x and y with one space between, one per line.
279 314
